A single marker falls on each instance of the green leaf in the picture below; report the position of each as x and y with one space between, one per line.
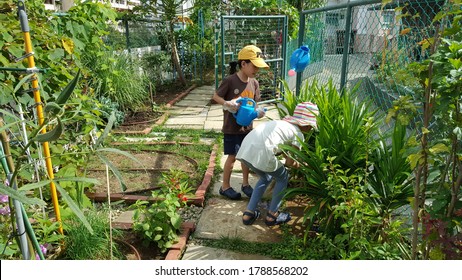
52 107
107 129
22 81
67 91
414 160
439 148
146 226
33 186
124 153
157 237
456 63
56 54
114 170
74 207
78 179
15 194
51 135
176 221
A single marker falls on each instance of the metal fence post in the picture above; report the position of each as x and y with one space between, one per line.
301 36
346 48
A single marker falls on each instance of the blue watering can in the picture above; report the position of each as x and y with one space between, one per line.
246 113
299 59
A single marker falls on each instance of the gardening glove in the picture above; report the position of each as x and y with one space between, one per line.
231 106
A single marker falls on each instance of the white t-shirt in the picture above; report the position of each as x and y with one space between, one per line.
262 143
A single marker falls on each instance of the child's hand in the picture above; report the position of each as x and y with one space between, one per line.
231 106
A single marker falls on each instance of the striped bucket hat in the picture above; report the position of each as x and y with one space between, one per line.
304 114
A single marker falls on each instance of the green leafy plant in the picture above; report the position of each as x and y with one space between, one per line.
160 221
117 77
81 244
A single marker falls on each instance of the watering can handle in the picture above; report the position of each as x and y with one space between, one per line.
246 100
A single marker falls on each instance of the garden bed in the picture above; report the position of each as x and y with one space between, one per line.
140 182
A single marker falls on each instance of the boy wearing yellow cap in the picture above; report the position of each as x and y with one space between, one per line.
238 84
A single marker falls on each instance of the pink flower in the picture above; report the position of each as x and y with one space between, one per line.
3 198
5 210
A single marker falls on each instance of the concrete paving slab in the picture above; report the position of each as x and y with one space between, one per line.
223 218
190 103
187 110
236 182
197 252
213 125
196 97
204 89
185 120
124 217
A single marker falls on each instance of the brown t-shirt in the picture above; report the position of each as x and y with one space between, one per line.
232 88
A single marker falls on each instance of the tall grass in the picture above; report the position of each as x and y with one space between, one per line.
118 77
80 244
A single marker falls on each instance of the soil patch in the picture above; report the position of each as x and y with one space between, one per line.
138 121
140 175
146 252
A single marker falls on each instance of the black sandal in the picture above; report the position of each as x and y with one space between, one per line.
253 216
282 218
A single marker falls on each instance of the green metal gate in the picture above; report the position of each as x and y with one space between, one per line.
269 33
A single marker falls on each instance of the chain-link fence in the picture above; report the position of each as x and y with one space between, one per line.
266 32
147 40
382 41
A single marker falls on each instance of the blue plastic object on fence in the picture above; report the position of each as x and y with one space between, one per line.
299 59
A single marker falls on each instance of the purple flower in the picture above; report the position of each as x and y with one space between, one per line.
44 249
7 182
3 198
5 210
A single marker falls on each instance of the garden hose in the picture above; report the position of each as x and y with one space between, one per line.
23 244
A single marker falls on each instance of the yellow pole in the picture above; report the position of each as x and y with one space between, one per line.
35 87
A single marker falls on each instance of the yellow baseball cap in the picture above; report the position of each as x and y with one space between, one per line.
254 54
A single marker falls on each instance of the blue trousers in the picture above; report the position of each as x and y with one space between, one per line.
282 179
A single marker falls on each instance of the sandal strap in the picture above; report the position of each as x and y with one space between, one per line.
281 218
255 214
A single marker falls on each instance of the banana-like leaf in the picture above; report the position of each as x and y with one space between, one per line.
78 179
15 194
52 134
67 91
74 207
124 153
107 129
22 81
5 127
114 170
33 186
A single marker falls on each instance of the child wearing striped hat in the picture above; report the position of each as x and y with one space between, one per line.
259 152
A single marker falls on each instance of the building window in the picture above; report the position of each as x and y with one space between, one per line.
332 19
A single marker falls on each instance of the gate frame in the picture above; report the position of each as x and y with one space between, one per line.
220 46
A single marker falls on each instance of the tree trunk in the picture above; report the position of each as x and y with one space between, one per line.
175 56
